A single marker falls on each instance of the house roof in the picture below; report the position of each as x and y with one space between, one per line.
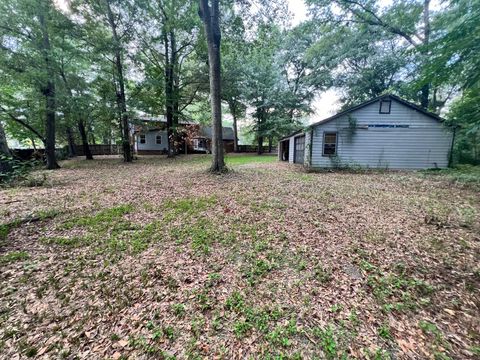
206 131
160 119
366 103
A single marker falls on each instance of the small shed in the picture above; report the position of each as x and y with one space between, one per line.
386 132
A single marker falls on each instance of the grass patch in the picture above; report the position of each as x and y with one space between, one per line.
396 291
189 206
14 256
462 174
249 159
101 219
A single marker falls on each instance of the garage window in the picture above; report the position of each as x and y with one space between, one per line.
142 139
385 106
329 143
158 139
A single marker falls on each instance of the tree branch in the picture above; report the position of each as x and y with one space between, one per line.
23 123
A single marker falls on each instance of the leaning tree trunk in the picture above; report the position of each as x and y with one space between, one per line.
48 92
210 17
83 136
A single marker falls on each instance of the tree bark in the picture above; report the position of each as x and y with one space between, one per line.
122 102
48 92
260 145
425 91
83 136
169 93
233 111
210 18
71 143
270 144
4 150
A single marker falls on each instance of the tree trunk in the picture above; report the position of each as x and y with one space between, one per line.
210 18
71 143
83 135
122 102
269 144
260 145
48 92
425 91
233 111
169 94
4 150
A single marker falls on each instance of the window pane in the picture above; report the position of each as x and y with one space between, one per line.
330 144
330 138
329 149
385 106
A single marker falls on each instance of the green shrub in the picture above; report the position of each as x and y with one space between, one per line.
12 169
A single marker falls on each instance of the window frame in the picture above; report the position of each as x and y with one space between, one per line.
142 139
156 139
389 107
325 133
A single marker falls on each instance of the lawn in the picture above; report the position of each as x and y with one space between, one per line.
159 259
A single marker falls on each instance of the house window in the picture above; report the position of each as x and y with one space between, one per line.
385 106
143 140
329 143
158 139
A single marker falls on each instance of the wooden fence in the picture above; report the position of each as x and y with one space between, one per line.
99 149
254 148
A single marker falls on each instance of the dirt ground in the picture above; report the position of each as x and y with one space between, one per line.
159 259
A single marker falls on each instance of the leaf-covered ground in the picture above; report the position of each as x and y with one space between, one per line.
158 259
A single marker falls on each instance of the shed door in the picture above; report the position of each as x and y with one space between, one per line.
299 149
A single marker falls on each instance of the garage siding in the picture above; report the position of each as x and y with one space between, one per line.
150 141
425 143
291 149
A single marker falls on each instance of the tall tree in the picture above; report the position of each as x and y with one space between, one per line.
28 52
408 21
210 15
109 27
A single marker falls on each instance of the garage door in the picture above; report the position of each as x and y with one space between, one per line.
299 149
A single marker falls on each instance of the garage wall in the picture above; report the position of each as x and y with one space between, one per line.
150 144
422 142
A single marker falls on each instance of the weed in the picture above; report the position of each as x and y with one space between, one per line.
322 274
213 279
235 302
241 327
258 269
384 332
179 310
327 341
